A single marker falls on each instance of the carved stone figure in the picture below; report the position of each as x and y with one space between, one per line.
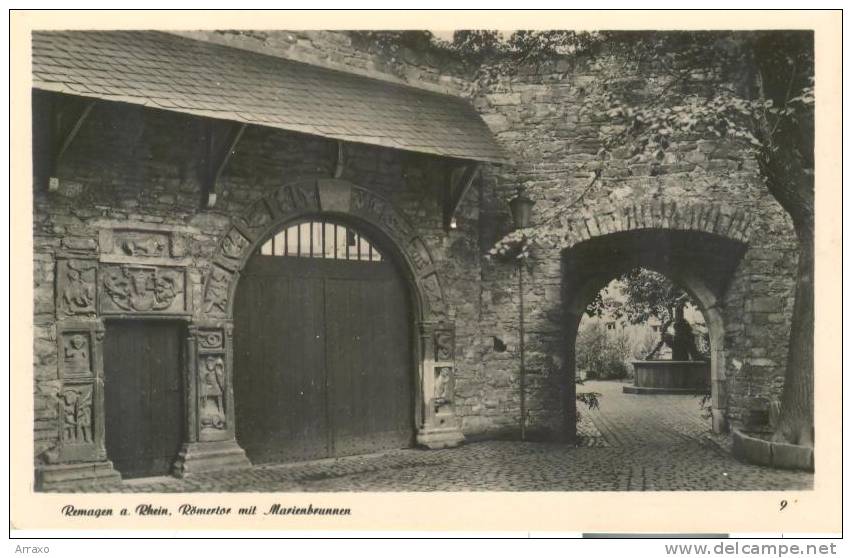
442 394
77 415
144 246
216 295
76 352
84 423
233 245
431 289
443 345
78 289
211 392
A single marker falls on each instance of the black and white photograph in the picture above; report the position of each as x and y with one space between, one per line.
273 260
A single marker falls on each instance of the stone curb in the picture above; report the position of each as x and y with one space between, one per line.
771 454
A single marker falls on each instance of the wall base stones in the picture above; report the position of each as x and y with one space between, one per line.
437 438
759 451
201 457
76 475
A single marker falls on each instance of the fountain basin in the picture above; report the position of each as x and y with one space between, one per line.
670 377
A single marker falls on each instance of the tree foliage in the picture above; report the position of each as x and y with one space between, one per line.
755 90
603 355
645 293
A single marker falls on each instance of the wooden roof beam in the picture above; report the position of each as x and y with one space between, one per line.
217 158
461 177
67 119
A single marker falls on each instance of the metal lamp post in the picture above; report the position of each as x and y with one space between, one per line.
521 207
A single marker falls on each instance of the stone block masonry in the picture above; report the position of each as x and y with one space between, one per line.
706 185
133 168
130 189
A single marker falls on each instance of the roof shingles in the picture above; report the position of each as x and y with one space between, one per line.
159 69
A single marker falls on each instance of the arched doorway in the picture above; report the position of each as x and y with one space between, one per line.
643 352
323 356
700 263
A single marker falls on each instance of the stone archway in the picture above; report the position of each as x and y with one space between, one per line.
699 262
212 332
697 245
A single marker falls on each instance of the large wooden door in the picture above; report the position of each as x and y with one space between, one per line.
143 396
322 357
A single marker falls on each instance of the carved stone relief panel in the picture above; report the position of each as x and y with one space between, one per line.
217 291
298 197
420 257
210 340
443 393
394 223
144 289
257 218
75 354
212 388
141 243
75 287
444 345
146 244
431 291
234 246
76 409
79 399
380 211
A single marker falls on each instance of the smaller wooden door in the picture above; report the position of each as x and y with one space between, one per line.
143 396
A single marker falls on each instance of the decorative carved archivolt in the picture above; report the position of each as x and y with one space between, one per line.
419 255
130 288
234 245
295 200
298 197
431 288
257 218
216 293
75 287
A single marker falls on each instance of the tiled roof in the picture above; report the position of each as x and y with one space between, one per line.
170 72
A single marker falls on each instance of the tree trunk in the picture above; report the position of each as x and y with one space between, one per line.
796 418
792 186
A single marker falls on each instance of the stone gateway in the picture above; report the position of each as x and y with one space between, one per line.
244 255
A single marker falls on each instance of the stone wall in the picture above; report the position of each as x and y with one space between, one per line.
139 168
538 116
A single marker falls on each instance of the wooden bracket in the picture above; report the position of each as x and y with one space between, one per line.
66 119
217 157
341 160
460 177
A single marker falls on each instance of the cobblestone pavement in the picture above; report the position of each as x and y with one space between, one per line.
633 442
